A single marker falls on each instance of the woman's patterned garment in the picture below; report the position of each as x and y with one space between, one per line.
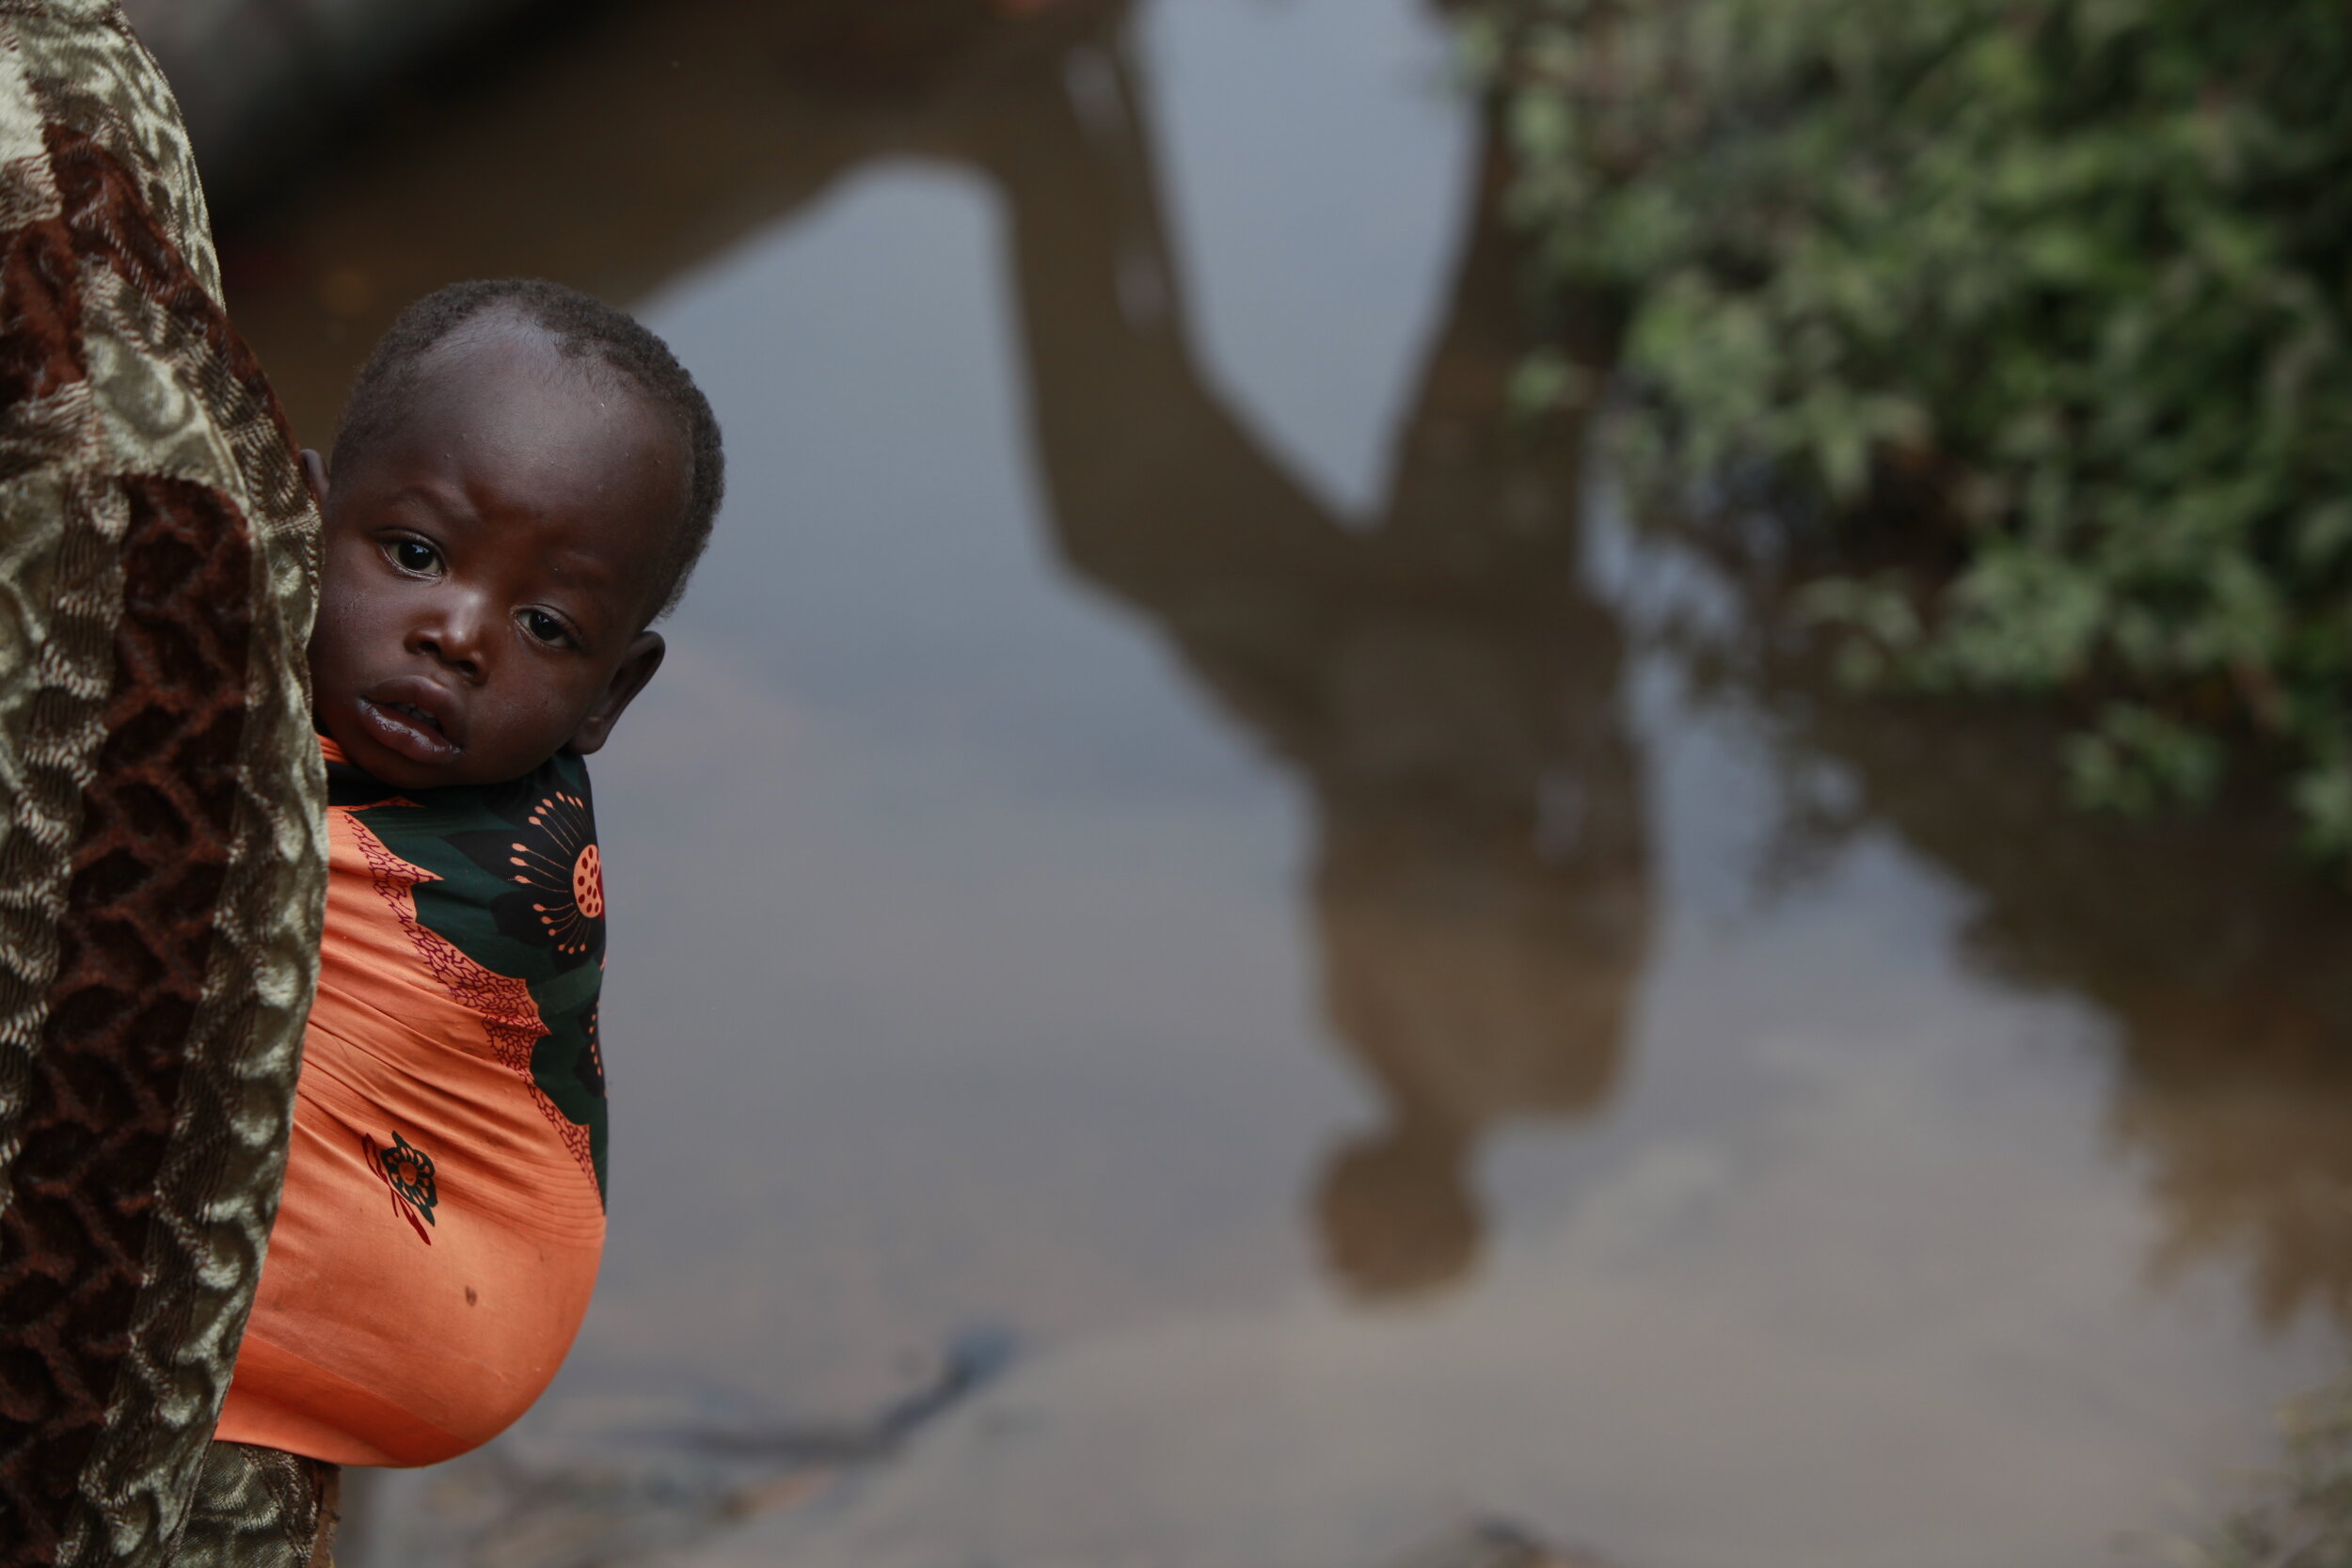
161 837
444 1210
260 1508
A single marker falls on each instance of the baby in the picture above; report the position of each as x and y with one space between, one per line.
523 480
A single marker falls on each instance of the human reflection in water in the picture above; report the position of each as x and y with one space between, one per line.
1440 681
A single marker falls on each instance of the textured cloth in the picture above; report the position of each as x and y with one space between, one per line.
162 830
260 1508
443 1212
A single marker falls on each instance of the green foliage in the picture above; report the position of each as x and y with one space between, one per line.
2077 268
2137 760
2303 1515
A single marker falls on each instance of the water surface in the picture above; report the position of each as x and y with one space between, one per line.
1172 830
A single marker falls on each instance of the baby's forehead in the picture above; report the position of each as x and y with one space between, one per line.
486 357
563 436
516 394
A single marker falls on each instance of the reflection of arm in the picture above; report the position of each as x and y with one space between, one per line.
1158 494
1478 498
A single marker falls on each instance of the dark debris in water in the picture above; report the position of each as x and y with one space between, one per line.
502 1510
1497 1544
973 1360
661 1492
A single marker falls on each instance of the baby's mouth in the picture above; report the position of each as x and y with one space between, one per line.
408 730
413 712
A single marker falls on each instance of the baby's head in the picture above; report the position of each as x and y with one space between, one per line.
523 480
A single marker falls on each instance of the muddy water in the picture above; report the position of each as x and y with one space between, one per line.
1171 837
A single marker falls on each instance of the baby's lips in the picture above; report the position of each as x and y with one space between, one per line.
403 734
445 713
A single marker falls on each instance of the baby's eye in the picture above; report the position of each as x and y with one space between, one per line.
545 627
415 555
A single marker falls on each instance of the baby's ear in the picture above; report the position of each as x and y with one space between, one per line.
314 475
637 667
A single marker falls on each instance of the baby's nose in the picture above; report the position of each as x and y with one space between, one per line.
454 641
446 654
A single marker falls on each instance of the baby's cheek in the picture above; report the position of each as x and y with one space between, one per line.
331 641
343 605
525 732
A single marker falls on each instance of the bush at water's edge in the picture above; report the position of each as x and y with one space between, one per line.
2055 291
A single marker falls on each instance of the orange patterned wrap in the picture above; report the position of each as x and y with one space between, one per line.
442 1218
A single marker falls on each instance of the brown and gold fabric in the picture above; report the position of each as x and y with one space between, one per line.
260 1508
162 827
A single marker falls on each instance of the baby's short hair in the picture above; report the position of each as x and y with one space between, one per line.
580 324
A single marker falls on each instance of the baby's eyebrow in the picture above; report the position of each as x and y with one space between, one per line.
450 508
584 567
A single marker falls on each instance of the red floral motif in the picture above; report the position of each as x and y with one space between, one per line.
588 883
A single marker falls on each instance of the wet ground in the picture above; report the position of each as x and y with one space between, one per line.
1184 877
